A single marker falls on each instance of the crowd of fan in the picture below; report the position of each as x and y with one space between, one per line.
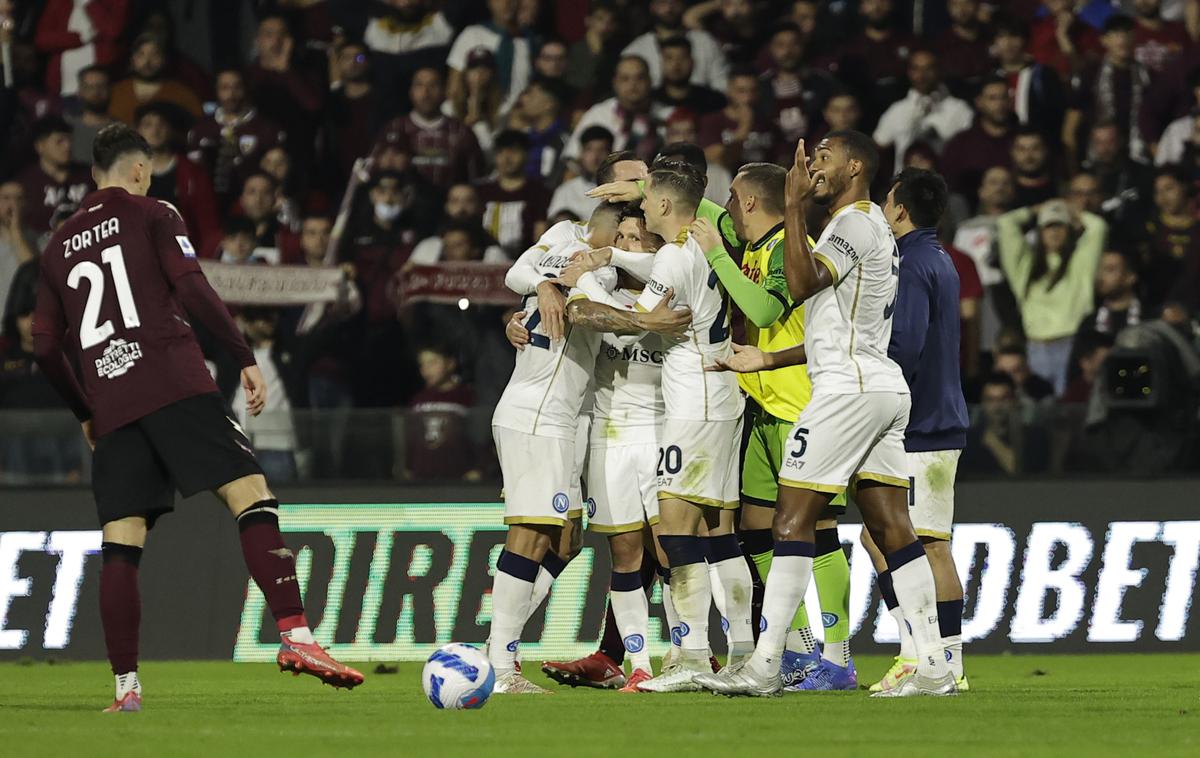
1068 132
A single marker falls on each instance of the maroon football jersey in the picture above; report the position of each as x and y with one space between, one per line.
44 193
107 279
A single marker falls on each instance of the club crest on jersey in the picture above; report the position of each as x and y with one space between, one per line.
829 619
561 502
591 506
634 643
118 358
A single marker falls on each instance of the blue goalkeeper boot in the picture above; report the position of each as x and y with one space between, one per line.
794 665
826 676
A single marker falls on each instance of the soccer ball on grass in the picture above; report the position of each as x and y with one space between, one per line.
458 676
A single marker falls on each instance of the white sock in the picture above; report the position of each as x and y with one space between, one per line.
541 588
672 616
718 590
511 596
632 612
907 651
127 683
301 634
786 585
801 641
736 587
913 583
692 595
837 653
953 648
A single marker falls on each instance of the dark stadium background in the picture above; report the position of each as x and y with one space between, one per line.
352 160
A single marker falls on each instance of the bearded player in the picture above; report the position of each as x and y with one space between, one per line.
120 278
852 432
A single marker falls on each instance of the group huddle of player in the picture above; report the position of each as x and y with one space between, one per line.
628 399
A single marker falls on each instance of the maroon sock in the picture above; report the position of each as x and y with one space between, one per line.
271 563
611 643
120 604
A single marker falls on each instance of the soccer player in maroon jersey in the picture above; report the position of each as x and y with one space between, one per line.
120 278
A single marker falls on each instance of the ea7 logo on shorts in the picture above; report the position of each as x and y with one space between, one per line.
793 463
634 643
591 505
829 619
561 502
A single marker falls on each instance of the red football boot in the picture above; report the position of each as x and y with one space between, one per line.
300 658
596 670
131 703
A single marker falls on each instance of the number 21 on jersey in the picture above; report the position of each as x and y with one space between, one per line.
92 333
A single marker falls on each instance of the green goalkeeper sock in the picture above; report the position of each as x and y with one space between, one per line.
831 572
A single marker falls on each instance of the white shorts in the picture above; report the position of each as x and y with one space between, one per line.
622 487
698 461
581 457
931 492
840 439
537 472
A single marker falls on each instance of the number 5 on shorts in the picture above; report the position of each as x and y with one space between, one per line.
800 436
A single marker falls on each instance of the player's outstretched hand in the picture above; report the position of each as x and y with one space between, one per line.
671 323
553 307
256 390
799 180
518 335
706 235
746 359
617 192
88 435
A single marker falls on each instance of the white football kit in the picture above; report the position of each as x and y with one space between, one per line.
853 428
698 448
622 471
536 420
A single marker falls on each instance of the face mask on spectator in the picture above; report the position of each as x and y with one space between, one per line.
387 211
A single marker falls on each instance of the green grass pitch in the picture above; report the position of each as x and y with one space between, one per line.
1019 705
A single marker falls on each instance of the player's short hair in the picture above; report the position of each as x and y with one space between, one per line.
631 210
859 147
605 213
114 142
683 183
768 181
678 41
47 125
682 152
604 174
511 138
923 194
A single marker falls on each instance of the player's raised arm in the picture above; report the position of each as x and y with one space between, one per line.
661 319
49 329
805 275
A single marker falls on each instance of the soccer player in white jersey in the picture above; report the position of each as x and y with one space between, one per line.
852 432
622 476
697 462
534 428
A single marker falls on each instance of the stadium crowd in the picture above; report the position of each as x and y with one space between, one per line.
386 137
